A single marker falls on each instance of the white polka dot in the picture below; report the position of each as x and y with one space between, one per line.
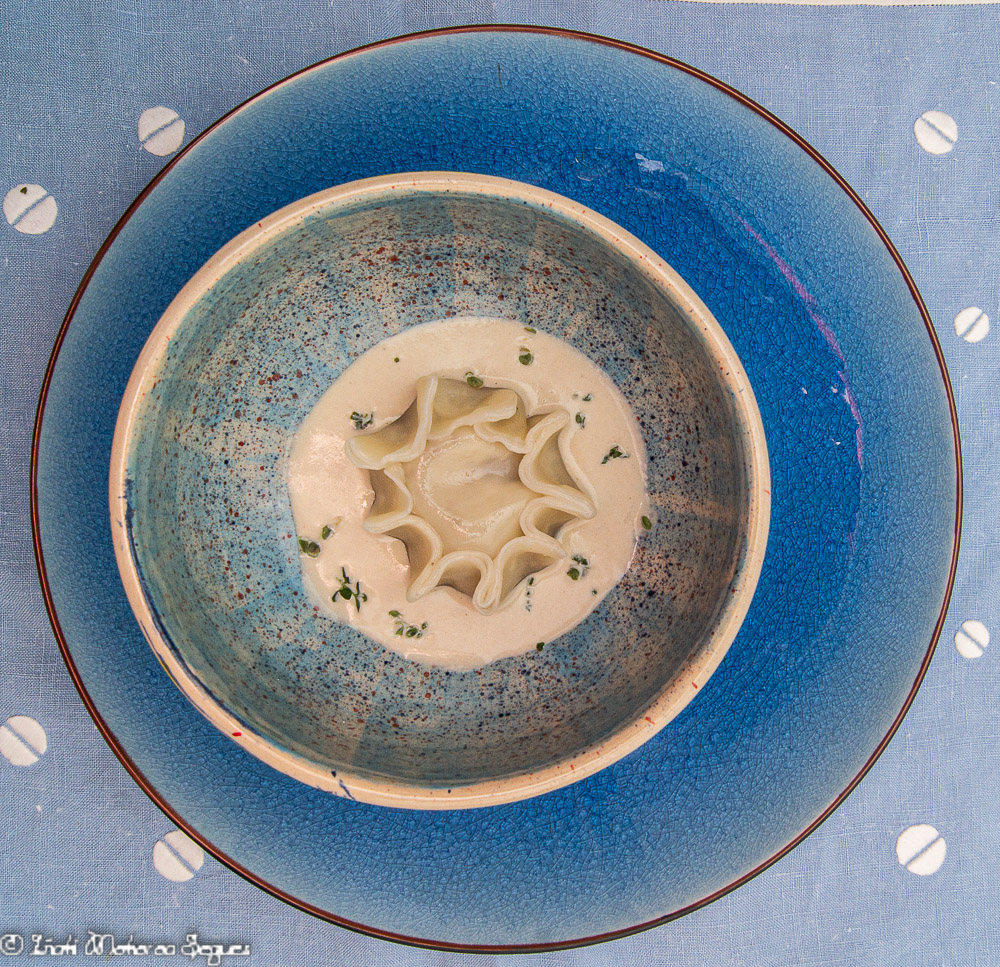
161 130
177 857
972 324
921 849
22 740
30 209
936 132
972 639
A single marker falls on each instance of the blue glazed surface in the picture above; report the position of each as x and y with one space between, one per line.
210 520
862 464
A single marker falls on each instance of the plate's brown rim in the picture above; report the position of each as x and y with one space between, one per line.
147 787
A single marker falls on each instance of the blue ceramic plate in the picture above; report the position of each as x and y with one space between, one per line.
864 463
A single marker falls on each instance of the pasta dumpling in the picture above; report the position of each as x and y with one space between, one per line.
480 491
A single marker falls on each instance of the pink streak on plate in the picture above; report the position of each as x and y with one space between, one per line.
809 301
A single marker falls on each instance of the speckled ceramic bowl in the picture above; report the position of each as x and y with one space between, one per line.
203 525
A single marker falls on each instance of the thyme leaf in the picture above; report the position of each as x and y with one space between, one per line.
404 629
349 592
309 547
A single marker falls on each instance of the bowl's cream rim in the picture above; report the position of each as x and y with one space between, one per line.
665 707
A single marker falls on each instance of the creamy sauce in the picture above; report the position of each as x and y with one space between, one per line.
332 498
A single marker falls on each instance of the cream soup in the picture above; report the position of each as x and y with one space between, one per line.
467 490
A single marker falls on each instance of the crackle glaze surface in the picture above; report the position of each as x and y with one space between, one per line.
862 462
208 519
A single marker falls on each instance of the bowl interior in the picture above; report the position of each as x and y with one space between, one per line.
240 360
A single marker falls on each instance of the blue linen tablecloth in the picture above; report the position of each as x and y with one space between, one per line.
906 871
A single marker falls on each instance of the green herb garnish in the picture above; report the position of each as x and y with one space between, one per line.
350 592
473 380
615 453
581 419
24 189
325 532
647 524
362 421
540 646
395 359
580 568
529 329
588 397
406 630
526 358
308 547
